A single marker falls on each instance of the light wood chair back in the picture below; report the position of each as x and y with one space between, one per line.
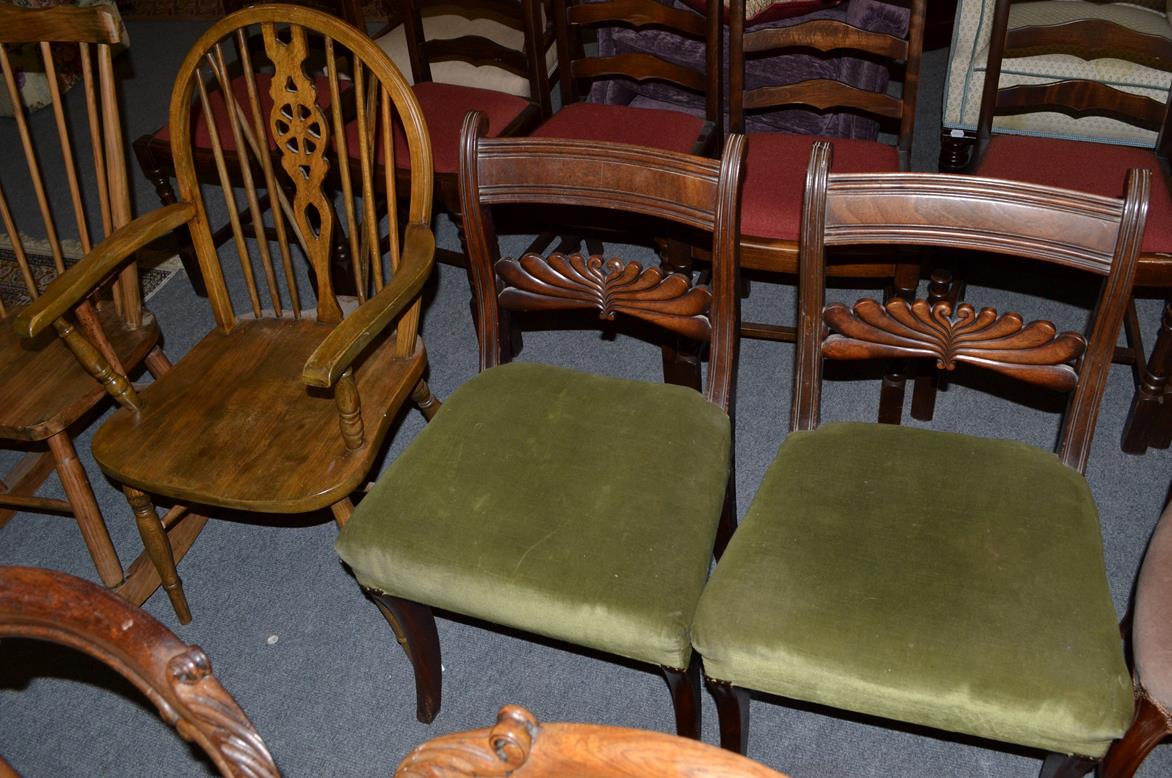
175 676
1096 234
310 177
88 207
519 745
829 38
678 188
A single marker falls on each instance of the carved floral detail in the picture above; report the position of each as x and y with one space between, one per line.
1033 352
486 752
208 715
570 282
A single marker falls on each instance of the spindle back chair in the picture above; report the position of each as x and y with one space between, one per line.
283 407
65 199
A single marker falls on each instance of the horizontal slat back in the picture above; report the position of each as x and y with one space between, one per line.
1091 39
476 50
826 35
297 115
61 24
638 67
638 14
824 94
1082 98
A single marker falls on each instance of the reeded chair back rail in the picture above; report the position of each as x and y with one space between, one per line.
175 676
674 187
1071 229
320 368
45 391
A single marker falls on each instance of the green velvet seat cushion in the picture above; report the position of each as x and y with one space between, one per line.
945 580
574 506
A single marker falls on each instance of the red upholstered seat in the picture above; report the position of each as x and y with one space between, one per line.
775 177
240 88
444 107
1098 168
652 127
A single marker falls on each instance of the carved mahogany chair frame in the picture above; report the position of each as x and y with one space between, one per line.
694 191
1149 421
518 745
1090 233
175 676
46 392
219 428
826 37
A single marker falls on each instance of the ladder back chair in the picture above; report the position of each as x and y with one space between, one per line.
776 167
175 676
45 391
518 745
1099 168
519 504
850 582
278 409
155 154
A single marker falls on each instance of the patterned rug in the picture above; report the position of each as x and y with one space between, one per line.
12 287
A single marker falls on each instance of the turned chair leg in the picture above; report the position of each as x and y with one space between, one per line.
158 548
732 711
685 697
1140 429
427 402
1151 726
414 627
161 178
954 152
85 510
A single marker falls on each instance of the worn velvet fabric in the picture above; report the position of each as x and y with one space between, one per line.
940 579
871 15
574 506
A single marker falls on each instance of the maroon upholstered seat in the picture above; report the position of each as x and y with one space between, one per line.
775 178
444 106
1086 167
653 127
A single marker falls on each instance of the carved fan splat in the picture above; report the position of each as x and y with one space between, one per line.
574 282
1031 352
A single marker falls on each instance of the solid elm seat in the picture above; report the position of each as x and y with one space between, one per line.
535 458
837 552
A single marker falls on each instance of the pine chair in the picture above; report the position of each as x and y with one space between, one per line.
776 167
175 676
276 410
1088 166
852 582
156 157
518 745
45 392
1151 648
519 504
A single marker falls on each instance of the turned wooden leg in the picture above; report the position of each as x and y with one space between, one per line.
343 509
685 697
954 152
158 548
1151 726
414 627
85 510
159 175
1144 415
157 362
24 479
732 711
427 402
1064 766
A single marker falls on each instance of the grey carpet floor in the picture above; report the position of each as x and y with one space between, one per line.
316 667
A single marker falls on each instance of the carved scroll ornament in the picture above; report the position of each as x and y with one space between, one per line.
1031 352
495 752
572 282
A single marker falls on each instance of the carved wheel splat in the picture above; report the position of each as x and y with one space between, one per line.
1032 352
571 282
209 710
302 135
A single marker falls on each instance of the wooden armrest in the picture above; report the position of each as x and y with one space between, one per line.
76 283
335 354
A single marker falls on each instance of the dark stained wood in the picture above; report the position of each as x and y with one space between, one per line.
520 746
414 628
176 677
279 410
732 709
1095 234
1152 725
1152 394
685 697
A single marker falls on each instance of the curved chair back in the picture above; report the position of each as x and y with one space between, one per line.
175 676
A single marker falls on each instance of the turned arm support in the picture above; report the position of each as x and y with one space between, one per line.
107 257
336 354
